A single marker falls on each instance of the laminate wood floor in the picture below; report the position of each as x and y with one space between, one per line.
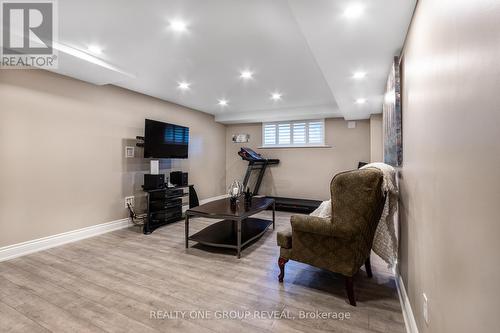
125 281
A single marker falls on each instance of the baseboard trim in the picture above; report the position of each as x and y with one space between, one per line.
410 323
40 244
204 201
21 249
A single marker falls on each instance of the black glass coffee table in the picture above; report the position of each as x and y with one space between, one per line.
237 228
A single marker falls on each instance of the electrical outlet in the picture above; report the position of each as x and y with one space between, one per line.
129 200
425 310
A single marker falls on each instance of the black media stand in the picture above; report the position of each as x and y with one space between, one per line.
164 206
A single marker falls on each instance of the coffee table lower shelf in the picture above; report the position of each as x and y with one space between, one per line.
223 233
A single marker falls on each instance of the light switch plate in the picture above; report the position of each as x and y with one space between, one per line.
129 152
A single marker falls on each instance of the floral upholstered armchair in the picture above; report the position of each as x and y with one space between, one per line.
343 243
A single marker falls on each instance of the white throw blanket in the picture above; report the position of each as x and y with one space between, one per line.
385 243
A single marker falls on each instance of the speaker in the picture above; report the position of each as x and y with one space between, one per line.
184 179
176 178
154 182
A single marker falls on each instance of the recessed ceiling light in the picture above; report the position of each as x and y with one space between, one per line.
184 85
361 101
359 75
178 25
246 75
276 96
95 49
354 11
222 102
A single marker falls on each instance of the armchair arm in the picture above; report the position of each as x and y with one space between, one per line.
322 226
312 224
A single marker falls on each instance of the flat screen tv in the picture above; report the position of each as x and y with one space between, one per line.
163 140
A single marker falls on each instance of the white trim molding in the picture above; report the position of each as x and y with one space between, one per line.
280 114
40 244
21 249
295 146
204 201
222 196
410 323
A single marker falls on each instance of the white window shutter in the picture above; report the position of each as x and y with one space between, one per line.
315 132
299 133
269 134
284 134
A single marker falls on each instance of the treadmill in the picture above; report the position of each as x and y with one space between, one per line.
259 163
255 162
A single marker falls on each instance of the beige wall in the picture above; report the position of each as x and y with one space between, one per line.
376 139
302 172
62 164
450 179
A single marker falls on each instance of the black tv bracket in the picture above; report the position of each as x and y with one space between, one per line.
140 141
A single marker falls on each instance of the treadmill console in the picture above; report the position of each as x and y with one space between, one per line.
249 155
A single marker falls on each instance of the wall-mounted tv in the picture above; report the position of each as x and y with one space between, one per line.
163 140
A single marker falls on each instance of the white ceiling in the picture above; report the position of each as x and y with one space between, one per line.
305 49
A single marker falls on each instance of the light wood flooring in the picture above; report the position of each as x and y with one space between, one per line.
112 282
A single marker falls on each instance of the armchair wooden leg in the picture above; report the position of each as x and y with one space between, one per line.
281 264
368 268
350 290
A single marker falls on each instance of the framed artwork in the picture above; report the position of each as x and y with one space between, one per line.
393 131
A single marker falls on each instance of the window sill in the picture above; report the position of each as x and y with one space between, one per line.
295 146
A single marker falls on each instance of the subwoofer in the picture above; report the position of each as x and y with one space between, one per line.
184 179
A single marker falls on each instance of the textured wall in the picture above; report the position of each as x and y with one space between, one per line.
62 142
302 172
450 179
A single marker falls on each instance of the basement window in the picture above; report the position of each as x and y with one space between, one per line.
290 134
